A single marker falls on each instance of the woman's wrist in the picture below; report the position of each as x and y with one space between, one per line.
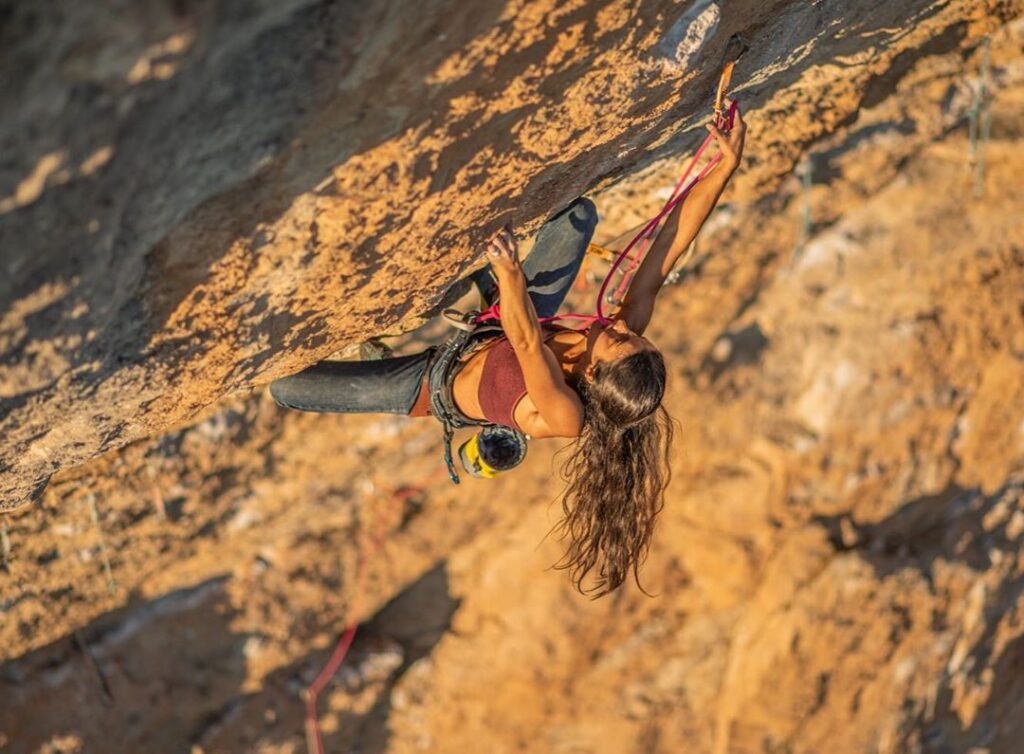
727 165
507 271
502 252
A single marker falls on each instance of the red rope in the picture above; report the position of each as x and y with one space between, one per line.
314 738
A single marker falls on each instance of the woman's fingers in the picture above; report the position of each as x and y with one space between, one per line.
738 133
507 240
740 123
730 142
716 132
502 247
721 138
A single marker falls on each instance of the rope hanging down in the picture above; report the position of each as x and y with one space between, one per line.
314 738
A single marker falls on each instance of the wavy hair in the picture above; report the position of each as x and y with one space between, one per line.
617 472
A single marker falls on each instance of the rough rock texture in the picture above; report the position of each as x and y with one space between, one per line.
227 192
223 194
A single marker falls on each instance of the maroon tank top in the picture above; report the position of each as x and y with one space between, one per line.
502 384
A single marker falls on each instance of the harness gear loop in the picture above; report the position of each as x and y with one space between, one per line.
462 320
453 473
441 373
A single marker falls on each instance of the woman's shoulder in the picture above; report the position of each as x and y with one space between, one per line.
564 337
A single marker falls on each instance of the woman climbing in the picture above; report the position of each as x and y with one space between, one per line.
602 386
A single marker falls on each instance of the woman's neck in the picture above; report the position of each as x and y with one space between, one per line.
571 348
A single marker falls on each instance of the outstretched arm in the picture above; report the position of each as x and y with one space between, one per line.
680 228
560 411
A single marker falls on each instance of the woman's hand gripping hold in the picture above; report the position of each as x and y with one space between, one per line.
503 252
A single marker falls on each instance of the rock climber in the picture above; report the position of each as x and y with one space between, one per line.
602 387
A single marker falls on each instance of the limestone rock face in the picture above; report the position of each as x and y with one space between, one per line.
196 198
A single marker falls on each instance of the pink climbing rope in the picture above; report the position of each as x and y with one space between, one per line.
493 314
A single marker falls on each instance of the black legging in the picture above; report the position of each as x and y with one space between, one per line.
390 386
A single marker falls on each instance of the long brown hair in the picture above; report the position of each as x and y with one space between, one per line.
617 472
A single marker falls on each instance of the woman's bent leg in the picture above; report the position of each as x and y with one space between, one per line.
387 386
557 254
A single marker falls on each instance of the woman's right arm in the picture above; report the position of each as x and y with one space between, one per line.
558 407
680 229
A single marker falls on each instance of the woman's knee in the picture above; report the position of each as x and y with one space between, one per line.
584 211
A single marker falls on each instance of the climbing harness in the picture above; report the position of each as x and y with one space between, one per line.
441 373
460 320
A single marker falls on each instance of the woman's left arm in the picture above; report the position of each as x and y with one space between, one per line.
681 227
559 409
